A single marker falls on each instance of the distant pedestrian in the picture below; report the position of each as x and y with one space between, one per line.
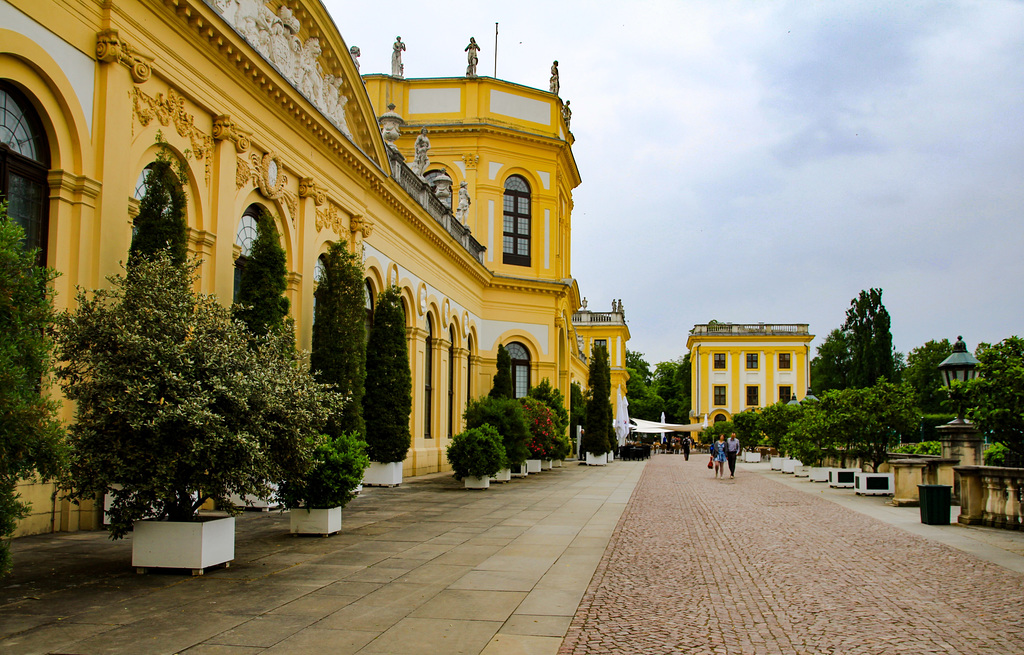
732 449
686 447
718 455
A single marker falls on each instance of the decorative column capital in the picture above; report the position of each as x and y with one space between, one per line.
111 48
308 189
226 129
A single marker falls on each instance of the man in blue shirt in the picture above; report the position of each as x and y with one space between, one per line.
732 449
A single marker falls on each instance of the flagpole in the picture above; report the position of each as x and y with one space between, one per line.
495 50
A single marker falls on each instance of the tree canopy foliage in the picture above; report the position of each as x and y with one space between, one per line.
922 373
388 400
506 416
161 224
598 434
502 387
261 304
997 395
31 437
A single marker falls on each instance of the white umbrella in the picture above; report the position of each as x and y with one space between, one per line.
663 434
622 418
705 421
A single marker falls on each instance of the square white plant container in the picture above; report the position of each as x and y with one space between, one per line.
776 463
519 471
545 464
789 465
504 475
610 455
842 478
315 521
383 474
874 484
533 466
751 457
473 482
596 460
557 464
801 471
818 474
194 545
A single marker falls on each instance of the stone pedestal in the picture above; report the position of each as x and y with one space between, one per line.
961 441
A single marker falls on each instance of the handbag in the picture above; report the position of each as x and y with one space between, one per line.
711 462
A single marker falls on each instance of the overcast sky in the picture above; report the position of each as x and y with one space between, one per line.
765 161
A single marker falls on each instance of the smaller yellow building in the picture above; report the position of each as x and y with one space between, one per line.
610 330
739 366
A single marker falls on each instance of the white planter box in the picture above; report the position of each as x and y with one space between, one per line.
533 466
504 475
473 482
818 474
519 471
383 474
545 464
874 484
842 478
596 460
751 457
777 463
801 471
557 463
192 545
789 465
610 456
316 521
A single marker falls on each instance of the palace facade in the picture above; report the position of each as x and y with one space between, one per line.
266 108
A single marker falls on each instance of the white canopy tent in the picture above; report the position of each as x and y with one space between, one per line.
655 427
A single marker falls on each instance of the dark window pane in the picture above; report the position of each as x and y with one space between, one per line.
26 208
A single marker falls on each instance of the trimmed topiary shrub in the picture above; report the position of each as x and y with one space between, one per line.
477 452
388 400
261 304
503 377
337 468
506 416
598 432
161 224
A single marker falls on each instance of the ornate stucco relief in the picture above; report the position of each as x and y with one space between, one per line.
110 48
171 109
275 37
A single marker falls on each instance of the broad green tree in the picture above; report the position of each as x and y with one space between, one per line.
997 395
338 352
553 398
506 416
922 373
746 424
774 422
262 305
672 385
161 223
31 437
598 431
830 368
388 400
502 387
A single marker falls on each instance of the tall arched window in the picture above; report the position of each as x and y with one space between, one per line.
368 299
428 375
244 237
24 164
520 368
451 381
516 242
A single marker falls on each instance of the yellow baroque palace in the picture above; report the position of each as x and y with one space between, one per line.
266 107
740 366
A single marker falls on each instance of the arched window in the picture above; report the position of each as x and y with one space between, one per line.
244 237
451 381
319 270
520 369
516 242
720 418
24 164
428 375
368 298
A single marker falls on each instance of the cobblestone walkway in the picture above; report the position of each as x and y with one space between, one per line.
749 566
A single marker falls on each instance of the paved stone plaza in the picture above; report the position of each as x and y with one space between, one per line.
761 564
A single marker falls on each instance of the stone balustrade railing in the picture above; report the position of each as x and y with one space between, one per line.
991 495
910 471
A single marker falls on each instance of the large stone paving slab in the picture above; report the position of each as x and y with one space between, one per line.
749 566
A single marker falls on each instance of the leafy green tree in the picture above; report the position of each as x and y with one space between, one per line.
506 416
598 434
643 402
262 305
997 396
810 437
922 372
338 356
830 368
774 422
161 223
713 431
870 340
541 422
747 426
553 398
337 468
503 377
175 403
31 437
672 384
388 400
635 362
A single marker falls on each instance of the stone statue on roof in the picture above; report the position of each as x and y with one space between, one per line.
354 51
566 114
422 156
472 49
462 210
397 67
553 84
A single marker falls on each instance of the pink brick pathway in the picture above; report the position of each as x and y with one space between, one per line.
750 566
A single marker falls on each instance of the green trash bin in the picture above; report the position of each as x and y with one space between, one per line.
935 502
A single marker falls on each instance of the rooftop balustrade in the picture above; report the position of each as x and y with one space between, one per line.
766 329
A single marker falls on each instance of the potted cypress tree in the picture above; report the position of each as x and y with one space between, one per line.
597 431
315 500
476 455
542 434
388 400
555 401
506 416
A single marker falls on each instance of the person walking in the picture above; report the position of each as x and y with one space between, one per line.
732 450
686 446
718 456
